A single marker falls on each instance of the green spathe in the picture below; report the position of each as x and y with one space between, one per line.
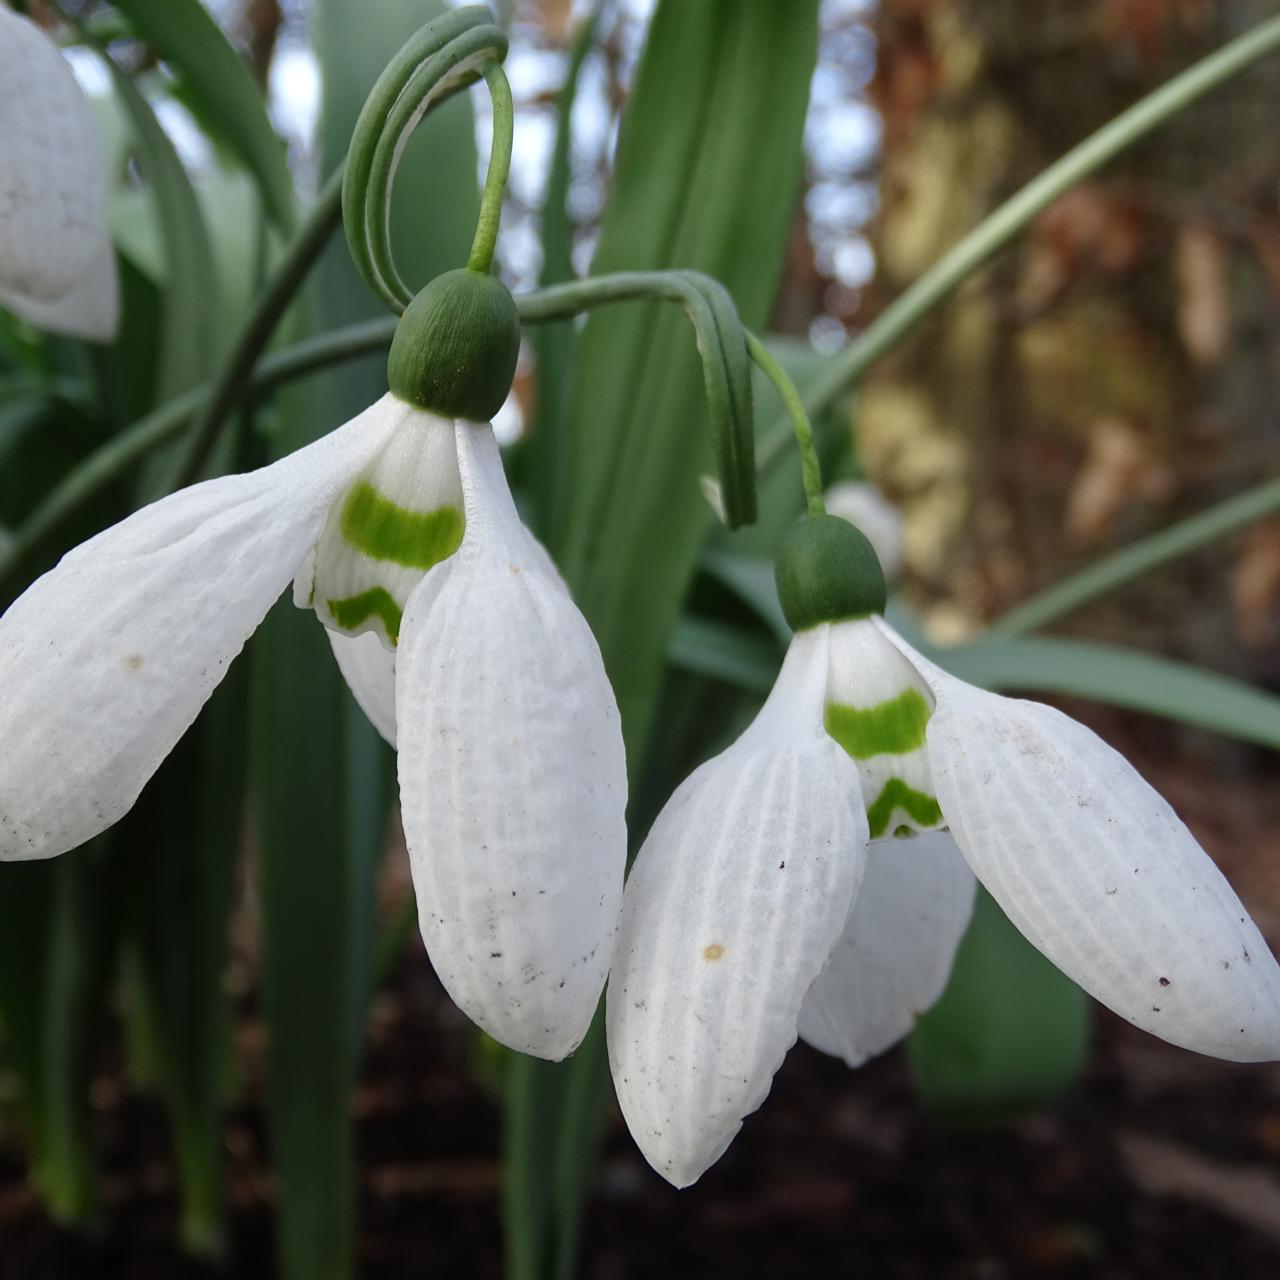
384 530
455 349
827 571
893 728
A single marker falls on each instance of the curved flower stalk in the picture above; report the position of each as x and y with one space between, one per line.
57 266
400 532
950 782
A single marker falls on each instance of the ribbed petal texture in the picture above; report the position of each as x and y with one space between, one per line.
894 958
1098 872
107 659
512 778
731 911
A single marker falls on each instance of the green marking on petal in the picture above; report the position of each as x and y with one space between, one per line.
889 728
381 529
896 794
377 602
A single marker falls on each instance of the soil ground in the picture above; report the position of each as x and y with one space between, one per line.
1161 1165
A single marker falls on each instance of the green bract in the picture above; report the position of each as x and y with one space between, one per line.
826 571
455 349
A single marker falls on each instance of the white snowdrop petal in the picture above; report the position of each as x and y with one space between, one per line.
107 659
894 958
91 307
512 778
52 179
1099 873
733 906
369 668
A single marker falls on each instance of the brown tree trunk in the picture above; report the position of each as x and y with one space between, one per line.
1115 368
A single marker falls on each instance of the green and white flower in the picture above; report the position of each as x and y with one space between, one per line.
449 622
57 266
816 878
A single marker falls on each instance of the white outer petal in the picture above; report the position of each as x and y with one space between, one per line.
512 778
369 668
735 901
52 179
894 958
90 309
107 659
1098 872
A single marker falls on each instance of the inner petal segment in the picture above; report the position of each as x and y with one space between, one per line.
400 517
877 708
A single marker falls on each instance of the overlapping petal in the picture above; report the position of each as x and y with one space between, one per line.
512 777
57 268
894 958
107 659
369 668
1099 873
735 902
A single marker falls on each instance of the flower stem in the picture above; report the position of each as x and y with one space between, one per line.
1218 521
495 183
237 369
1000 227
810 468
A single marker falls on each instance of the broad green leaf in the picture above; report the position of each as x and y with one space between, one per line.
56 938
190 337
1123 678
221 91
1010 1032
180 847
553 343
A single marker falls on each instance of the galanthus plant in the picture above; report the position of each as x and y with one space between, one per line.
817 877
57 266
399 530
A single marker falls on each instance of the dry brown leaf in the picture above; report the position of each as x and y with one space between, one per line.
1204 304
1255 585
1247 1194
1117 469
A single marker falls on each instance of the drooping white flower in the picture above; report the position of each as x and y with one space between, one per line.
399 530
57 266
1082 854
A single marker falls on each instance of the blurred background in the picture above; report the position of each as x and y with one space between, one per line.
1113 371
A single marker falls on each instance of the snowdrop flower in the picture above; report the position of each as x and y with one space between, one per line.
818 875
880 522
57 266
400 531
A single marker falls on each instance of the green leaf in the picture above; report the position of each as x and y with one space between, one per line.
1010 1032
553 343
221 91
180 846
190 337
1123 678
56 939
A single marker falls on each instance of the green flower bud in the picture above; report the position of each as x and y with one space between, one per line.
826 571
455 349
